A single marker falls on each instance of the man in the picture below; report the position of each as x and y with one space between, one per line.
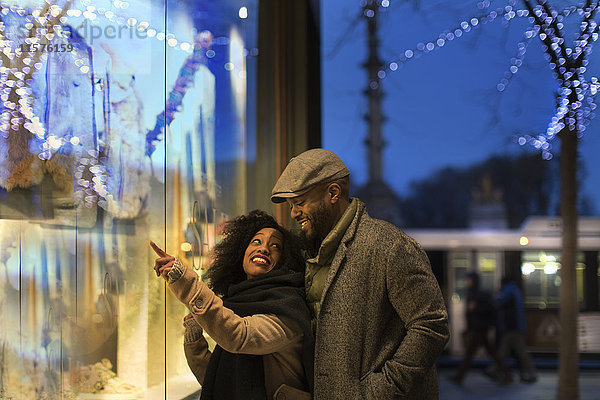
480 318
511 328
378 313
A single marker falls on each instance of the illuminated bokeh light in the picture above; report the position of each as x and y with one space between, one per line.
576 97
523 241
185 247
550 268
527 269
19 114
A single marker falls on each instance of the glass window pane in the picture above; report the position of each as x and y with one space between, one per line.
120 122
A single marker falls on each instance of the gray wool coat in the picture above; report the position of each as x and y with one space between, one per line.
383 321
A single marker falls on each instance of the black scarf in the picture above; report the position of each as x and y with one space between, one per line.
241 376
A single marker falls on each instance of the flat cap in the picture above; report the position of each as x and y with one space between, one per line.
307 170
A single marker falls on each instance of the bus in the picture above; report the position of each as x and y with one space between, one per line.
532 255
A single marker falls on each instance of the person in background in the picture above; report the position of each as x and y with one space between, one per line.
511 328
480 318
261 325
377 309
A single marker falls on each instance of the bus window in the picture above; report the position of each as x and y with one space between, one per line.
541 278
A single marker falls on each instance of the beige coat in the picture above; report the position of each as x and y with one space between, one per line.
279 340
382 322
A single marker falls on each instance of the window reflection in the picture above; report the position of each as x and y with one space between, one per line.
109 116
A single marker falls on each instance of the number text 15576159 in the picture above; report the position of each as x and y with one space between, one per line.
46 48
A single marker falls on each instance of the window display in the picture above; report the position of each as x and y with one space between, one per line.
120 122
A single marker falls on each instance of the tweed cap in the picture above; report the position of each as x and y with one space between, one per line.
305 171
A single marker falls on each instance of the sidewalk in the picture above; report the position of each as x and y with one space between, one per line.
477 386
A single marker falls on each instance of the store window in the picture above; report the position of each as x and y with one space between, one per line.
541 278
89 174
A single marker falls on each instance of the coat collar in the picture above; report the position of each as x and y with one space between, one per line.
340 254
331 243
360 210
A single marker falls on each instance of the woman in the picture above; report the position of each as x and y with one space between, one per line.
261 325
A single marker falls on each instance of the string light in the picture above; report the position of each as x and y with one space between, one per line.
17 110
576 97
17 99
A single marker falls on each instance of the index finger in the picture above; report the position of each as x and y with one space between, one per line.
157 249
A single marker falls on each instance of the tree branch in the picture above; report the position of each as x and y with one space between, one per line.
556 29
547 39
586 25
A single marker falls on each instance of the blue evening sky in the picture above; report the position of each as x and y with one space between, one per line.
443 108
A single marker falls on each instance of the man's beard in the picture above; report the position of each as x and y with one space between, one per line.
320 224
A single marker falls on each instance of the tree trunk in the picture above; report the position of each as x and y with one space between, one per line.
568 382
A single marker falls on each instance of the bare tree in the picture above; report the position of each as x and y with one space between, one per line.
574 110
569 65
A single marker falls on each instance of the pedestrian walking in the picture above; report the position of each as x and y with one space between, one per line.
480 316
511 328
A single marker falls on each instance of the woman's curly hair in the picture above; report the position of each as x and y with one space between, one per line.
228 255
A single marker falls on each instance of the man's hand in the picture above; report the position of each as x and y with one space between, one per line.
164 263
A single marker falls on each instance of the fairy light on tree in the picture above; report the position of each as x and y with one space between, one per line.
575 108
575 92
